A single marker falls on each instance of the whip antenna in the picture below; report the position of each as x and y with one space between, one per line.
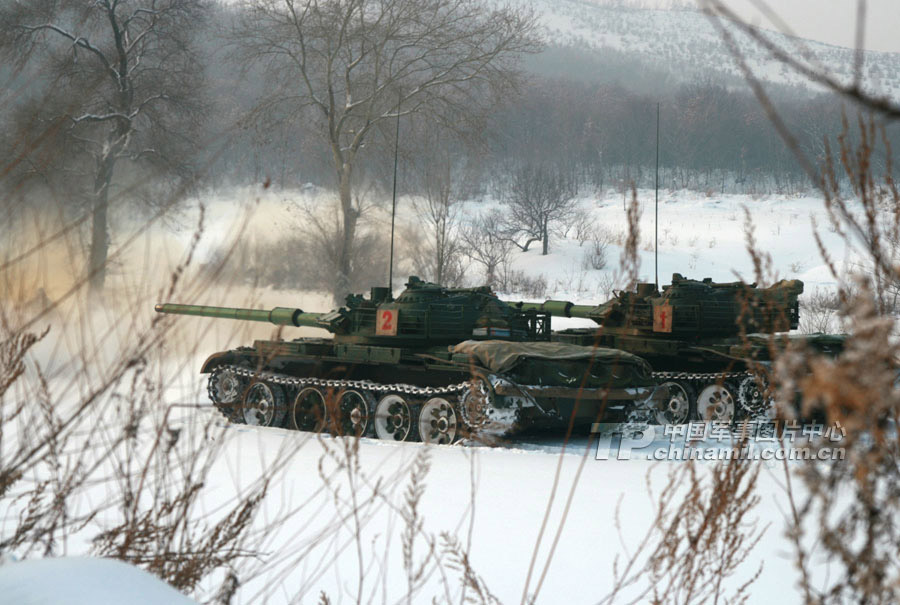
656 221
394 197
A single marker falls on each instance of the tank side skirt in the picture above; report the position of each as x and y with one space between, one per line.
282 379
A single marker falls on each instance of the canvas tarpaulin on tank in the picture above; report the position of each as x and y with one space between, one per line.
501 356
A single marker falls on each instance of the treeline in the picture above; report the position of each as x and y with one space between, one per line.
603 135
711 137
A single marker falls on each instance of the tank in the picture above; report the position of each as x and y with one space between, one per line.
433 364
711 344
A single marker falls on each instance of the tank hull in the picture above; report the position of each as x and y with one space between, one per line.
704 372
531 393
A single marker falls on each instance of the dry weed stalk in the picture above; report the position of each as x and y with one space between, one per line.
357 499
696 542
475 589
869 219
853 502
99 427
161 478
847 508
800 59
413 522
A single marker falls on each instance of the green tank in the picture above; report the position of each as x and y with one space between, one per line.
709 343
435 363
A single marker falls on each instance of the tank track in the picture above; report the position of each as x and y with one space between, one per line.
750 404
493 418
701 376
292 381
696 379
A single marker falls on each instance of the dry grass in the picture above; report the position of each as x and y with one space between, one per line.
83 416
95 461
696 542
847 510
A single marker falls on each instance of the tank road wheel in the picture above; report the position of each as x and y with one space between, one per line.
679 407
716 403
395 419
438 421
263 405
308 411
753 395
225 390
476 402
354 414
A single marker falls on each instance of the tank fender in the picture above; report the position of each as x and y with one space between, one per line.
217 359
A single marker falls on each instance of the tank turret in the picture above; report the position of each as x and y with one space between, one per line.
423 312
433 363
691 309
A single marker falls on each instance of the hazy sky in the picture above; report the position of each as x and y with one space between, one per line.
831 21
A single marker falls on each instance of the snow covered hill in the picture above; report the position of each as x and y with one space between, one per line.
686 46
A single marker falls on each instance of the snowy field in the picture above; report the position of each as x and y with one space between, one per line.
699 235
493 500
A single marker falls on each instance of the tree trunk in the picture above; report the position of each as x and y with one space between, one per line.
546 238
348 234
439 262
99 228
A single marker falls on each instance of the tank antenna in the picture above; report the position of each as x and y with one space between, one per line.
394 196
656 221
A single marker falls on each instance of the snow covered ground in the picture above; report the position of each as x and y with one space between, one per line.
493 500
699 236
497 498
83 581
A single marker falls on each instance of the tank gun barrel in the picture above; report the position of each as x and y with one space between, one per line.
280 316
559 308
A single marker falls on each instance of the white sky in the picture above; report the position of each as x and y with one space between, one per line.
830 21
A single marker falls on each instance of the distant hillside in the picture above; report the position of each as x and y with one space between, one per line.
604 41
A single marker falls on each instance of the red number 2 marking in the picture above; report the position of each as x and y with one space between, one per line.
386 318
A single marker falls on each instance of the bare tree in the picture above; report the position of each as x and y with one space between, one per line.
439 211
486 244
123 77
321 227
819 311
538 197
360 63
